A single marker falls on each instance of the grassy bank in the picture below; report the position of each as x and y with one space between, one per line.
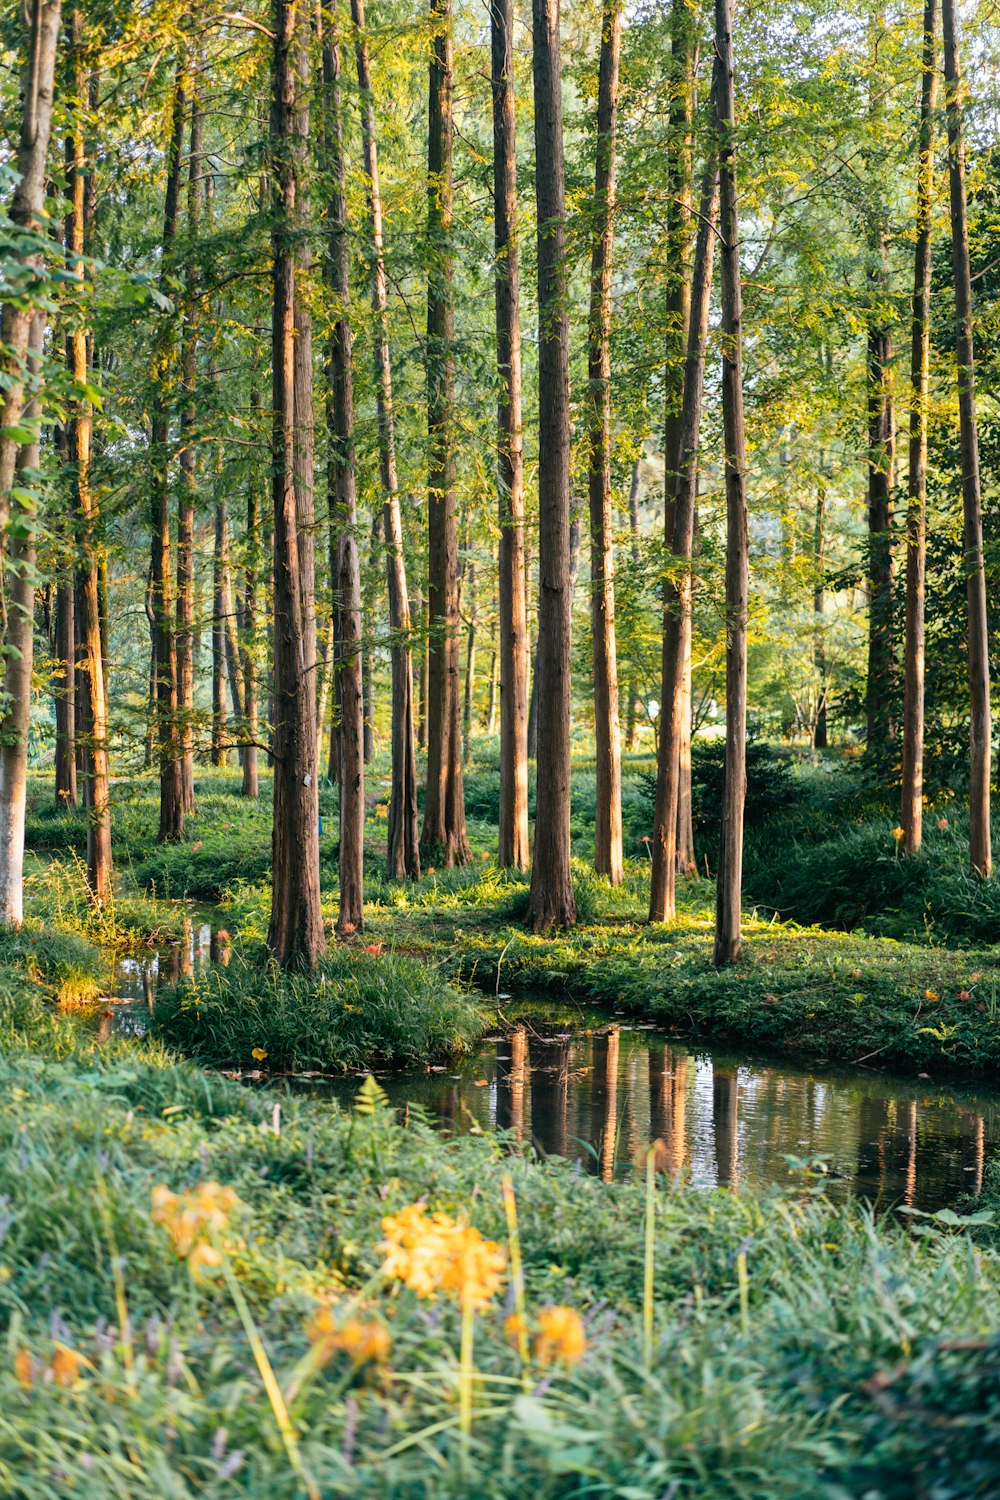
796 1349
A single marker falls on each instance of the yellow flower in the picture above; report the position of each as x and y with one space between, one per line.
364 1342
65 1365
433 1253
931 995
192 1216
560 1336
258 1054
204 1259
24 1367
897 834
513 1326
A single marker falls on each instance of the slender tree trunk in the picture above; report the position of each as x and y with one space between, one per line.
819 736
729 881
188 464
491 712
678 591
248 642
167 696
470 663
513 850
552 901
444 805
635 553
422 675
18 647
980 854
295 935
608 820
26 211
220 735
403 831
345 565
916 519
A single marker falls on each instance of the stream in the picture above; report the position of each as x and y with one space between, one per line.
600 1089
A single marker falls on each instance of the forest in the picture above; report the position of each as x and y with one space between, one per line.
499 551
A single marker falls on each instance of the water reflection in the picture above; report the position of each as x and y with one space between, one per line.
604 1095
133 982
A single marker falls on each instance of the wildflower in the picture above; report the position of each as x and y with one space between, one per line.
514 1326
66 1365
374 949
897 834
433 1253
196 846
193 1216
364 1341
204 1258
560 1336
975 978
942 824
964 995
258 1054
931 995
24 1367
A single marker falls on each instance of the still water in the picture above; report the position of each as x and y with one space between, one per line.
600 1090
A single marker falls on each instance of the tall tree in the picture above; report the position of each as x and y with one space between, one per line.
916 519
513 850
295 935
249 622
403 827
344 563
444 805
185 623
607 733
980 721
552 901
729 881
678 587
164 634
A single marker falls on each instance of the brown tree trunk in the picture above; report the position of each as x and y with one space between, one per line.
513 846
248 641
635 552
167 697
980 723
552 901
607 734
186 500
444 804
678 591
220 734
295 935
18 646
469 693
403 827
819 734
729 881
916 518
26 211
344 564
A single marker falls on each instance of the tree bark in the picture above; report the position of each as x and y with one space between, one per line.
980 722
729 880
403 827
167 696
552 901
345 566
444 804
819 734
916 518
635 553
607 732
26 212
220 557
185 625
295 935
513 845
678 591
248 640
18 647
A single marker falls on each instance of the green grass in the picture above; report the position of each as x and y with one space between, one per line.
863 1360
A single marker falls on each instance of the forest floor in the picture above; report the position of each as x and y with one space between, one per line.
761 1347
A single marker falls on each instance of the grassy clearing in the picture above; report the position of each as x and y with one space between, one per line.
857 1358
361 1006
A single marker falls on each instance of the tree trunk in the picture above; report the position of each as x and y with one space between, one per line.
607 734
295 935
18 647
678 590
916 517
635 552
220 735
819 735
248 642
444 805
729 880
980 854
470 663
403 827
188 464
345 566
552 901
167 696
26 212
680 230
513 846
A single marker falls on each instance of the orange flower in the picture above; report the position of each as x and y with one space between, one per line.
192 1217
363 1341
514 1326
931 995
897 834
560 1336
66 1365
24 1367
258 1054
433 1253
204 1259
